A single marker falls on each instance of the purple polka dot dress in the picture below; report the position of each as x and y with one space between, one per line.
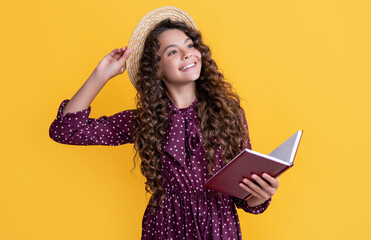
191 211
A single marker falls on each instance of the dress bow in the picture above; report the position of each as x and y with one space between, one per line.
183 135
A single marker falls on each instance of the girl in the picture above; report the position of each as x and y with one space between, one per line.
187 125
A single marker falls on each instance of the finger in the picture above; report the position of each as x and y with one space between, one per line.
265 185
125 56
122 50
112 53
118 54
256 188
273 181
267 188
246 188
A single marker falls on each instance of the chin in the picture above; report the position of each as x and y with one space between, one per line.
191 78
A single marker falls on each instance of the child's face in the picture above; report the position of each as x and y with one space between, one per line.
176 52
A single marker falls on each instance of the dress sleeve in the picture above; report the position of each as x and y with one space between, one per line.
240 203
76 128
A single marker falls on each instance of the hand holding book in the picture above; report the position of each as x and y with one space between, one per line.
261 192
249 163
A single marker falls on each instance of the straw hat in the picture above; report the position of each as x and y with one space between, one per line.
144 27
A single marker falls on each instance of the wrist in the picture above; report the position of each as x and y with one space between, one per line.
254 202
98 76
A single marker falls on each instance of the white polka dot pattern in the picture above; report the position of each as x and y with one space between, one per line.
195 212
78 129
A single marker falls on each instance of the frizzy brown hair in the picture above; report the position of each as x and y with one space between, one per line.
220 114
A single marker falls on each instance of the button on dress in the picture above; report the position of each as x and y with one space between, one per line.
191 210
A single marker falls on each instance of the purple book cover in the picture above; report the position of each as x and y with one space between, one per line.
248 162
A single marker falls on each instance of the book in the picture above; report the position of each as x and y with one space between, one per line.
249 162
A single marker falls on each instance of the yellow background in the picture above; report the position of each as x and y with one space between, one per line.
297 65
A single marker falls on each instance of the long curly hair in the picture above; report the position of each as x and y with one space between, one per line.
220 114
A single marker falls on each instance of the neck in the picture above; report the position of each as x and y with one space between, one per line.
182 96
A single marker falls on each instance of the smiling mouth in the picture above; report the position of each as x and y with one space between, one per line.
195 64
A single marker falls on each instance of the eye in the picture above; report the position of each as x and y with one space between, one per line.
171 52
190 46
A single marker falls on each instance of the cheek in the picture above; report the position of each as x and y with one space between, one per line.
164 64
171 65
161 67
168 68
198 53
200 59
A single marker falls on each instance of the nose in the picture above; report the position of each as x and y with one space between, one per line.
187 54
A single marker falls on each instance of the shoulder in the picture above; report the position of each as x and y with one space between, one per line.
128 112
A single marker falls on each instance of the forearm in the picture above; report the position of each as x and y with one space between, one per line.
86 94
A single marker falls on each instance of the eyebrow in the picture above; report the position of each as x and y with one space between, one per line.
173 45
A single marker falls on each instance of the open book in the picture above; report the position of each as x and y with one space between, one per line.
248 162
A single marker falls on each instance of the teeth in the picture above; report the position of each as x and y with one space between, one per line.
190 65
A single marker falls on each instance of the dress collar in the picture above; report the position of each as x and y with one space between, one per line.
184 137
185 112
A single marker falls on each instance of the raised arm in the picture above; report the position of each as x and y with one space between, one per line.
110 66
73 125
